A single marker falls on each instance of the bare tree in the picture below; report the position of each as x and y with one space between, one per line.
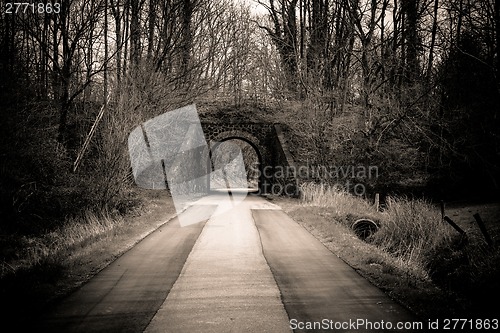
135 31
284 35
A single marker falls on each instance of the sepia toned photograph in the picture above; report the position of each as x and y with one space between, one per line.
251 166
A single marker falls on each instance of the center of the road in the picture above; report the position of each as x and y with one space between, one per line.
226 284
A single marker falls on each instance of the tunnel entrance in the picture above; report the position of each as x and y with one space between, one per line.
264 140
235 163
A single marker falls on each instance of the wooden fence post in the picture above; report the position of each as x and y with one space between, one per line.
481 225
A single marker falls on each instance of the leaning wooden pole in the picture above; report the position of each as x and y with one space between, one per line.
89 136
454 225
482 227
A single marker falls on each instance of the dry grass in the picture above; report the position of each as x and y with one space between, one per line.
45 268
414 256
410 287
412 231
340 202
57 245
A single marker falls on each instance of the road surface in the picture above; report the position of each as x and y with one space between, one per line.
248 268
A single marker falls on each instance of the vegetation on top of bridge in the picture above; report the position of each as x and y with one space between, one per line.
248 112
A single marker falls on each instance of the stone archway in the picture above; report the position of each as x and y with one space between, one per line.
269 144
251 140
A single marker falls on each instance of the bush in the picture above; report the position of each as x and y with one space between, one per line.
27 252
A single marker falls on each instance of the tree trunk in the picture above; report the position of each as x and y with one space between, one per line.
497 32
65 72
106 52
151 27
115 9
187 13
410 8
433 40
135 33
44 57
284 36
56 82
126 39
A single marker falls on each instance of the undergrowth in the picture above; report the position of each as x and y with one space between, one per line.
23 252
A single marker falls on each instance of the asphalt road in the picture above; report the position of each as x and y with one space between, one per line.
124 296
249 268
315 284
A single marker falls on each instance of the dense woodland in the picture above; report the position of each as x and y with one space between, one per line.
410 86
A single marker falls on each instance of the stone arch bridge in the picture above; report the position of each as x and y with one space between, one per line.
270 146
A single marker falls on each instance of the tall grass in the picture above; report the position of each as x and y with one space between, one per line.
49 211
341 202
411 231
57 245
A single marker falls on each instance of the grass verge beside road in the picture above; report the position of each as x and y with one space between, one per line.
415 258
52 265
